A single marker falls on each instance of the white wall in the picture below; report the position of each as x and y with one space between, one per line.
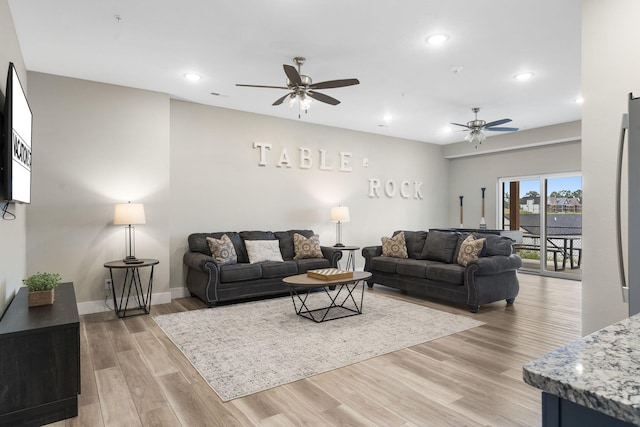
96 145
610 71
13 235
217 184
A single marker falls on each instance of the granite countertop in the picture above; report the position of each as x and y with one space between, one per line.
600 371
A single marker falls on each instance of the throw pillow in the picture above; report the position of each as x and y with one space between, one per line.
263 250
470 250
440 246
395 246
222 250
306 248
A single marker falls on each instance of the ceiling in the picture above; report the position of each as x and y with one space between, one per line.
152 44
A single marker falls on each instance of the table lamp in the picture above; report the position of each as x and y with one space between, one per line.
339 214
129 214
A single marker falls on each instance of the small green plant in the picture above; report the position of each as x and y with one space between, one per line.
42 281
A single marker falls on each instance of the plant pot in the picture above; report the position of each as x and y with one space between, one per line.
37 298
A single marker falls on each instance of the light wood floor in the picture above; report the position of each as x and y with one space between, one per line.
132 375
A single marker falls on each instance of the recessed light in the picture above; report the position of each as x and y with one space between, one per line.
387 118
523 76
578 100
437 39
192 77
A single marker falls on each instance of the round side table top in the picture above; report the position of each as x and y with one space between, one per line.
346 248
304 280
146 262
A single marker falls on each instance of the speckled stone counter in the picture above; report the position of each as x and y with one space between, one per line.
600 371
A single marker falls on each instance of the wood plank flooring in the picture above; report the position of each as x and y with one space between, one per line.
132 375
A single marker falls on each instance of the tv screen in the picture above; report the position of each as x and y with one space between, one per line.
16 142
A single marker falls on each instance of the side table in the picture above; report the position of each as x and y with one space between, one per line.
132 280
351 262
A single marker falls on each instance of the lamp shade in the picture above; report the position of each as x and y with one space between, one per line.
340 214
128 214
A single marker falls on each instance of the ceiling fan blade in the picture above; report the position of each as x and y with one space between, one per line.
458 124
502 129
281 100
323 98
497 123
292 74
268 87
329 84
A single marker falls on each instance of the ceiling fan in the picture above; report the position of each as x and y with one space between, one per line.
303 89
476 126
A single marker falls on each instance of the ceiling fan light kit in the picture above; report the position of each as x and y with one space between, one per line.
476 126
303 89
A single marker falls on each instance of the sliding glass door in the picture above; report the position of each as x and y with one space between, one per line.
548 211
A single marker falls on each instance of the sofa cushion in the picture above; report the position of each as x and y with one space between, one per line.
240 272
306 247
440 246
272 270
496 245
470 250
414 241
263 250
222 250
413 267
395 246
384 264
286 241
311 264
449 273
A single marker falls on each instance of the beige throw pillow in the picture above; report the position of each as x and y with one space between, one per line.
222 250
470 250
395 246
306 248
263 250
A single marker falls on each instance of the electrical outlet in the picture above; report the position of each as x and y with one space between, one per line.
107 284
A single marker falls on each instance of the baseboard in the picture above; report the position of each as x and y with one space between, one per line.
180 293
90 307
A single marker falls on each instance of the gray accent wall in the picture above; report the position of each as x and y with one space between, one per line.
195 169
217 183
96 145
469 173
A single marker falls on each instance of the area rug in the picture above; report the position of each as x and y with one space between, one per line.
245 348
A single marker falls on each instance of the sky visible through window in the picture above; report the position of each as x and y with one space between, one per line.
571 183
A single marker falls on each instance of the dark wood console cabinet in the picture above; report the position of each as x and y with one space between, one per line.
40 360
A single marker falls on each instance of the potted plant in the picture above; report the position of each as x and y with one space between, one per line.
41 288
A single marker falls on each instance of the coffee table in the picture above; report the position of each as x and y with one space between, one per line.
342 301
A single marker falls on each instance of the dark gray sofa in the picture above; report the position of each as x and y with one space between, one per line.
213 283
433 272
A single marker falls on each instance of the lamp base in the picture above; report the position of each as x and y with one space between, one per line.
132 260
338 245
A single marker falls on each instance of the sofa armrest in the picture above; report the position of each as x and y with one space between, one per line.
369 252
200 261
332 254
485 266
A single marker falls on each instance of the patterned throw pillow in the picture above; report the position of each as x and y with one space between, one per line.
470 250
306 248
222 250
395 246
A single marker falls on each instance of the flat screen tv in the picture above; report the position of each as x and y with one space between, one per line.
15 149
